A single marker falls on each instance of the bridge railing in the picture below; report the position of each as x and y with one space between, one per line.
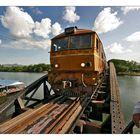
22 100
129 128
118 123
117 119
28 95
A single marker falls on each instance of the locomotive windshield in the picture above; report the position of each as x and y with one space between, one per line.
60 44
80 41
72 42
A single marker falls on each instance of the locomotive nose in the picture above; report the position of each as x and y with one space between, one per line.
73 62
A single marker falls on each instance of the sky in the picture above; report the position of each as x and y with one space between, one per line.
26 32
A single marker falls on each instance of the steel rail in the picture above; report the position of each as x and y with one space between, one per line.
57 116
69 121
64 116
59 119
24 118
47 120
48 109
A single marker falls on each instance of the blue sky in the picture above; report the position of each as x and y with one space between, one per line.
25 32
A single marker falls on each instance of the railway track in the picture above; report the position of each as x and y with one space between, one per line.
61 114
57 116
49 118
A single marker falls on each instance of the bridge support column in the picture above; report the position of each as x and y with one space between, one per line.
19 106
46 91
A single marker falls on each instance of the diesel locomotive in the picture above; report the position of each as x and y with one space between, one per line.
78 61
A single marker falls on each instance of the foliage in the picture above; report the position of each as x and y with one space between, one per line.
120 65
30 68
125 66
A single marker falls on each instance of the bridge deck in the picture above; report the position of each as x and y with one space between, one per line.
60 114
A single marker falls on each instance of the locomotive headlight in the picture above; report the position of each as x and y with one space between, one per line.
56 65
83 65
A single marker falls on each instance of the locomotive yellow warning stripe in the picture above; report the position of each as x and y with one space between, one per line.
80 55
77 55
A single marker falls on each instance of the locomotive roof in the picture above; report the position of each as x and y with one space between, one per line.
78 31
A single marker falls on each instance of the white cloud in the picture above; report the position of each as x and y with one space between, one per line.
133 37
117 48
43 28
70 15
36 10
19 23
128 9
56 29
0 41
106 21
43 44
27 33
125 51
28 44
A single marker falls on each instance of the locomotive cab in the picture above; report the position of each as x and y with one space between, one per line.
77 59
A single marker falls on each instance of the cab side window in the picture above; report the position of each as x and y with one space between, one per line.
97 44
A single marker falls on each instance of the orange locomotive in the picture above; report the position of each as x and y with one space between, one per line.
78 60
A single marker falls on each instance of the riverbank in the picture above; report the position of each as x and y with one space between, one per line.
46 72
39 68
128 73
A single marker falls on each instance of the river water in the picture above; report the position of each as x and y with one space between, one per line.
129 88
130 94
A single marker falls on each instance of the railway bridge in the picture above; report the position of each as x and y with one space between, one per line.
56 114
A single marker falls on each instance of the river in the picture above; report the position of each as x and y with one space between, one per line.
130 94
129 88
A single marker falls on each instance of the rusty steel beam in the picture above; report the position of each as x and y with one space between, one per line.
117 119
46 90
32 86
72 118
21 122
19 106
129 128
58 122
58 116
11 99
29 98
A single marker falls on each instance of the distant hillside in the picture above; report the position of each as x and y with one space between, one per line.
19 68
10 65
126 67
